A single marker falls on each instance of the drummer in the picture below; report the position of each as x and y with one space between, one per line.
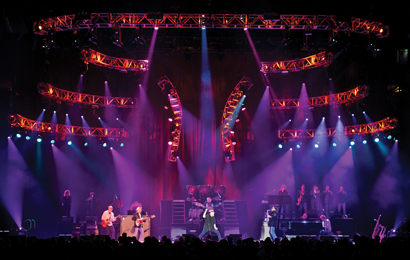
208 204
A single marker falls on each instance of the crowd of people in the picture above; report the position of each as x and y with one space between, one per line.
187 248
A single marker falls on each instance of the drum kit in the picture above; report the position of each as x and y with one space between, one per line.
211 197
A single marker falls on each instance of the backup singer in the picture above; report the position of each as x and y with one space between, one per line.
210 224
66 203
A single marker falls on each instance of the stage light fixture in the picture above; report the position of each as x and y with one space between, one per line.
316 145
69 142
18 135
122 145
52 141
376 139
280 146
27 137
364 141
334 144
298 146
104 145
85 144
39 139
352 142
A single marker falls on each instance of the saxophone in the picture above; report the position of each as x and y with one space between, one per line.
379 230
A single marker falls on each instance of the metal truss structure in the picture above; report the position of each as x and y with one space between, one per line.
229 115
49 91
310 62
121 64
346 97
168 88
43 127
363 129
223 21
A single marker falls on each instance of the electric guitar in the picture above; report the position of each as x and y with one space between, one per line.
141 220
105 222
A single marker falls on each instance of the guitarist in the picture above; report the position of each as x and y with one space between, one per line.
106 220
139 229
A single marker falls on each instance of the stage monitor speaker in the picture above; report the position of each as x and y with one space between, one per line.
127 226
177 232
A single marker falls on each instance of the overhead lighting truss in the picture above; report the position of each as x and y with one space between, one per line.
363 129
224 21
121 64
44 127
168 88
50 91
229 115
310 62
346 97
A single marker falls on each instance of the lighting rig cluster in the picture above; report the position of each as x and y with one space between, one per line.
310 62
347 97
230 114
363 129
52 92
168 89
44 127
223 21
124 65
117 21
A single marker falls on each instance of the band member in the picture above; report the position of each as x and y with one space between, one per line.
209 204
66 203
315 199
341 200
210 224
91 201
273 219
282 208
327 227
139 229
302 200
108 218
117 203
327 200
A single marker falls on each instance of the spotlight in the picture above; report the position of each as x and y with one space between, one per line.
18 135
85 144
334 144
104 145
28 138
376 139
364 141
52 141
316 145
389 137
122 145
298 146
169 142
352 142
280 146
69 142
170 119
39 140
